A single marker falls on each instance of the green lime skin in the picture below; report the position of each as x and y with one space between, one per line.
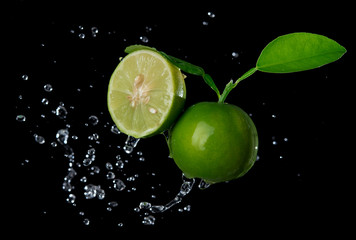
213 141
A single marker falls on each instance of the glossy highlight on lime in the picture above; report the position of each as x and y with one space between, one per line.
214 141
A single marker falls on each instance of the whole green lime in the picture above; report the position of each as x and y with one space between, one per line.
214 141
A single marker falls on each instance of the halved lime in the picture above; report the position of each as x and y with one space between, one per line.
146 94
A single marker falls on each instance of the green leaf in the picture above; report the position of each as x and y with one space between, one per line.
298 52
181 64
137 47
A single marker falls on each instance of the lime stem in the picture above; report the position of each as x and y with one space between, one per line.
231 85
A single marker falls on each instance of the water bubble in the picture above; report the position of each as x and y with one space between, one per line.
24 77
130 144
115 130
205 23
86 221
87 162
119 185
62 136
67 186
211 14
71 199
148 29
145 205
94 170
149 220
94 31
21 118
91 191
187 208
48 88
110 175
61 112
81 35
83 179
203 184
39 139
93 120
120 164
94 136
234 54
44 101
109 166
144 39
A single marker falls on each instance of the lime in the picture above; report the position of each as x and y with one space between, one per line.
214 141
146 94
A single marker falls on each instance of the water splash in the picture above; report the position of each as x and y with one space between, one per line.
130 144
185 188
203 184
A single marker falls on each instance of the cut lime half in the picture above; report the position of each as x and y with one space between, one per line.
146 94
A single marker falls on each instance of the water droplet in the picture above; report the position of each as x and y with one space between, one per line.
185 188
62 136
211 14
145 205
119 185
113 204
144 39
81 35
130 144
109 166
21 118
91 191
115 130
93 120
87 162
48 88
110 175
94 136
45 101
86 221
148 29
149 220
71 199
24 77
234 54
94 31
39 139
119 164
61 112
203 184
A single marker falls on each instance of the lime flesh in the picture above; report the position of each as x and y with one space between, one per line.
146 94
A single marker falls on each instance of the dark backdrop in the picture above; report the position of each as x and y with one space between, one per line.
300 181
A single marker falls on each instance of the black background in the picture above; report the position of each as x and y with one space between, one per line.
304 191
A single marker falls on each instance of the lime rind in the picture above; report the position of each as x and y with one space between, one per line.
146 94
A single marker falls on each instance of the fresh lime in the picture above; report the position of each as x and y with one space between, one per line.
214 141
146 94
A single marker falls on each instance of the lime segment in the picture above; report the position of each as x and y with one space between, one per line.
146 94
